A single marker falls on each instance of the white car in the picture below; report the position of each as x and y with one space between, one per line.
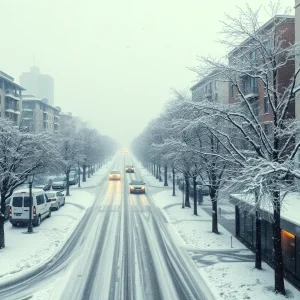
20 203
57 199
137 186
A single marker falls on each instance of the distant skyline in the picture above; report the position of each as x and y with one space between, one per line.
38 84
114 62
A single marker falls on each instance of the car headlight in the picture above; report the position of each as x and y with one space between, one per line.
143 187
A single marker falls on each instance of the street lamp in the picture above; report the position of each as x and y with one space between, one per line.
30 181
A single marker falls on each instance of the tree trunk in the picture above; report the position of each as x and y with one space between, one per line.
166 176
187 191
3 207
279 278
258 241
89 171
84 173
159 174
257 235
68 186
173 173
215 217
79 173
195 196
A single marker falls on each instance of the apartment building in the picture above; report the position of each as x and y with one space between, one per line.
10 98
252 88
38 115
68 120
209 88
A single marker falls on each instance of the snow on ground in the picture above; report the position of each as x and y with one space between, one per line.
227 280
26 251
240 280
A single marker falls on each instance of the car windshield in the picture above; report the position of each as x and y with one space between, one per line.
50 195
59 179
115 172
137 182
129 166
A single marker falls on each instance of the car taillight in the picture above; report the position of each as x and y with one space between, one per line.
9 210
34 210
53 199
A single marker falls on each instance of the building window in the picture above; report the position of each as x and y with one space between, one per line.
232 90
216 84
288 251
266 104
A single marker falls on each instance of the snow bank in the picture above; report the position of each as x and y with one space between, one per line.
25 251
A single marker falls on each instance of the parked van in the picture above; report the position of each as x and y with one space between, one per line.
20 203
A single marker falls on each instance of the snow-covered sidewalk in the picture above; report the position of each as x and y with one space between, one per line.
24 252
224 263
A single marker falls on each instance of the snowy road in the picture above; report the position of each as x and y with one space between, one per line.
121 250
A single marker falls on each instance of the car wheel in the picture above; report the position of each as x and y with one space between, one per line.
49 215
38 222
14 224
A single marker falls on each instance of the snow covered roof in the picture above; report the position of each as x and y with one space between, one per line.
10 80
290 216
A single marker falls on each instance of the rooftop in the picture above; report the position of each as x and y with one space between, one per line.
10 80
264 26
32 98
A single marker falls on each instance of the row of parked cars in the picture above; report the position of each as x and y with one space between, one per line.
201 190
42 205
52 187
55 183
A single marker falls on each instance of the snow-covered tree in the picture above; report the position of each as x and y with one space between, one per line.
21 154
261 54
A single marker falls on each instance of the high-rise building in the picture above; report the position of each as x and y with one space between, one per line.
40 85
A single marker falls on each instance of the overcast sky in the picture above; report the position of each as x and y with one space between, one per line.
113 62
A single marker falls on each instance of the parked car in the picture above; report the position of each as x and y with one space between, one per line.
73 178
137 186
129 169
20 203
115 175
59 183
57 199
41 182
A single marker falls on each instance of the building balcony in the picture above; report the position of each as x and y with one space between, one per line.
57 117
12 111
12 94
27 109
45 112
250 92
46 121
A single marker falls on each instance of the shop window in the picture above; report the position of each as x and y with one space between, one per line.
288 250
249 228
298 256
268 240
242 224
